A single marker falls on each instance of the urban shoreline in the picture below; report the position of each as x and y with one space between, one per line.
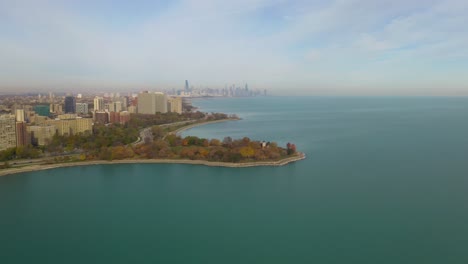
298 156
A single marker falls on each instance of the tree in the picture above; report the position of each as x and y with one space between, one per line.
227 141
215 142
290 148
157 132
247 152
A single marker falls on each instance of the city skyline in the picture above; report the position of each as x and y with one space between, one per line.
288 47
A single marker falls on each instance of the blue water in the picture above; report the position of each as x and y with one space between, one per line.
385 181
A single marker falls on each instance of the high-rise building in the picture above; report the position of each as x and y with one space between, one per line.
174 104
41 135
118 106
42 110
82 108
114 117
132 109
56 109
124 117
124 101
146 103
22 138
20 115
7 132
151 103
186 86
72 126
51 97
70 104
101 117
98 103
160 102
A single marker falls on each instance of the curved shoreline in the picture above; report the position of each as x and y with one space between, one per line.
282 162
201 124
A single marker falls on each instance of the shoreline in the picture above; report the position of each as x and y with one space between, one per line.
179 130
282 162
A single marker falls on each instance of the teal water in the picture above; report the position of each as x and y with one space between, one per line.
385 181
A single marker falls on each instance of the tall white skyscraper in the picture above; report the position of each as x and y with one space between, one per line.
19 115
98 103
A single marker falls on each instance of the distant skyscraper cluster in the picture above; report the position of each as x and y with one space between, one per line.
228 91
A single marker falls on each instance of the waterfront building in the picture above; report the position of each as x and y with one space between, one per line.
146 103
72 126
41 135
151 103
7 131
22 138
70 104
160 102
174 104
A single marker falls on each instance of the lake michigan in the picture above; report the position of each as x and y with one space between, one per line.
385 181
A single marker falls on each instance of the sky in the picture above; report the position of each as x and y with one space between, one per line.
336 47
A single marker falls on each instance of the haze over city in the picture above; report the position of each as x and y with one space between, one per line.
288 47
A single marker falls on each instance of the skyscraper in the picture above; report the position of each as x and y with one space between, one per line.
42 110
174 104
7 132
20 115
151 103
160 102
98 103
186 86
70 104
146 103
21 134
82 108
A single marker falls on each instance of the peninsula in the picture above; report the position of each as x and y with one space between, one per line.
150 139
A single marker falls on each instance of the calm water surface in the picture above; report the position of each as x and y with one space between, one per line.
386 181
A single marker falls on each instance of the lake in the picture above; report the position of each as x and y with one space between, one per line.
385 181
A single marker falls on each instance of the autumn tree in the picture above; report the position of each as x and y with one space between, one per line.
215 142
247 152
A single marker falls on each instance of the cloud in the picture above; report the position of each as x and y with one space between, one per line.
269 44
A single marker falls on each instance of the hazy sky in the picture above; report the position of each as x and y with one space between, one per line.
394 47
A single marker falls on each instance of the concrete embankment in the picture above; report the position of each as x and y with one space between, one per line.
282 162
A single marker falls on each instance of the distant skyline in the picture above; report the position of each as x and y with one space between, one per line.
366 47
